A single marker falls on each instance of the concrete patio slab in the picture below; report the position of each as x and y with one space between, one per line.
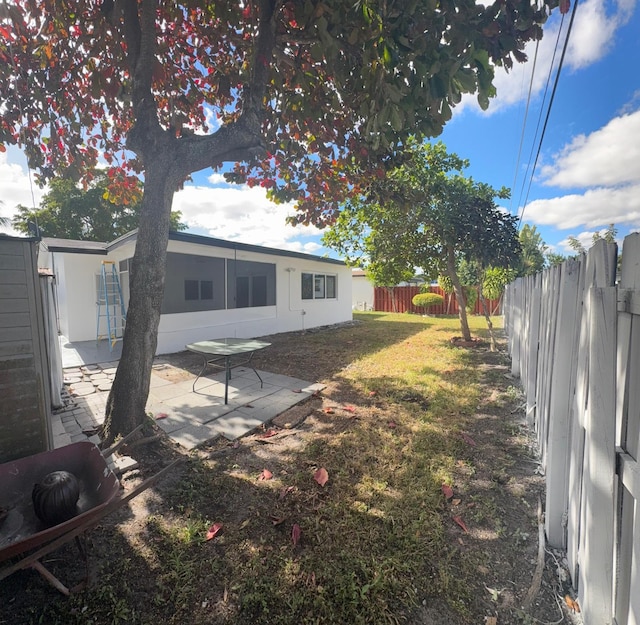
192 418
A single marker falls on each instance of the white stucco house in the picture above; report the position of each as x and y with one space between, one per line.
213 288
362 291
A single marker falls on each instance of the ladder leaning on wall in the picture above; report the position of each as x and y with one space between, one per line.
110 305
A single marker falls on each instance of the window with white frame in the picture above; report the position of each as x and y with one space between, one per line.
318 286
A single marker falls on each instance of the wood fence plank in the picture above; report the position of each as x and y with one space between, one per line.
532 367
596 562
564 365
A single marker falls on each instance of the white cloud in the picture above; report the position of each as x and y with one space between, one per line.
594 208
608 156
15 187
240 213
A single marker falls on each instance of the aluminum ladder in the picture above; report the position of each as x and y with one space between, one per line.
110 305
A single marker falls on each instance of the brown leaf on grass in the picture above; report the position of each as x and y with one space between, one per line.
392 424
285 491
490 620
455 502
328 410
321 476
460 522
277 520
572 604
269 433
373 393
447 491
467 439
296 532
214 530
349 408
265 475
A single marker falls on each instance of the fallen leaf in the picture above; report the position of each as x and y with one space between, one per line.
328 410
392 424
161 415
277 520
491 620
572 604
269 433
321 476
296 532
214 530
285 491
297 390
455 502
265 475
245 523
467 439
349 408
460 522
447 491
248 405
373 393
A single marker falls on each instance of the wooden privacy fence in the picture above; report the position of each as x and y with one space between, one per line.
398 299
574 339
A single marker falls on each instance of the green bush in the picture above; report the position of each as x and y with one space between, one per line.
425 300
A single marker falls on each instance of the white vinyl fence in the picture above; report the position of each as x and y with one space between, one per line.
574 339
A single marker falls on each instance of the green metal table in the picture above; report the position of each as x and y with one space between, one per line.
226 354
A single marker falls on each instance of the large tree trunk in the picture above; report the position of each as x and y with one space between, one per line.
457 289
128 397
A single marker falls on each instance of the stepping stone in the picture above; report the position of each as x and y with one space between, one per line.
83 388
105 386
99 377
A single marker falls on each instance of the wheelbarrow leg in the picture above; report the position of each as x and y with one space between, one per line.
50 577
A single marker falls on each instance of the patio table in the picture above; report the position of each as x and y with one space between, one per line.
219 351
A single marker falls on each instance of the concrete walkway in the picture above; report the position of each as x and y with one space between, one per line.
189 418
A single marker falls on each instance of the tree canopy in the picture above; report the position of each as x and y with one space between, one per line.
533 251
425 214
305 98
69 212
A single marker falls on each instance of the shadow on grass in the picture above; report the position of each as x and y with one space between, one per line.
376 541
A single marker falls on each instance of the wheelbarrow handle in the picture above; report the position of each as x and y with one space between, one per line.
111 450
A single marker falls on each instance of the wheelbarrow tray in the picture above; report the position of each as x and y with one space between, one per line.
21 530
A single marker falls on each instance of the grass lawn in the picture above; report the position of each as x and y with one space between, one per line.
428 515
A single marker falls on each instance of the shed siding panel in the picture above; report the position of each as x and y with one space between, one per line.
24 409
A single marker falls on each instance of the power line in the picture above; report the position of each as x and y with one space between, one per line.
524 121
553 93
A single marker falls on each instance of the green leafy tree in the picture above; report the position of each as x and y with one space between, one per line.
432 217
533 251
553 259
69 212
307 99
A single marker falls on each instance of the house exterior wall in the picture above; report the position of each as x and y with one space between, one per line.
362 293
290 312
76 273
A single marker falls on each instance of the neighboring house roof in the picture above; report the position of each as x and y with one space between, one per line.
94 247
358 273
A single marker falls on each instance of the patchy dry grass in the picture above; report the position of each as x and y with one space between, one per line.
404 412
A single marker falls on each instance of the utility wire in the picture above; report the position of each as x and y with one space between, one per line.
524 121
544 99
553 93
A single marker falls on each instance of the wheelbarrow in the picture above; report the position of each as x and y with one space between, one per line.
25 539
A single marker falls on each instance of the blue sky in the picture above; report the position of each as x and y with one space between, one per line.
588 172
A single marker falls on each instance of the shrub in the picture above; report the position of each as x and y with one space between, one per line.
425 300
